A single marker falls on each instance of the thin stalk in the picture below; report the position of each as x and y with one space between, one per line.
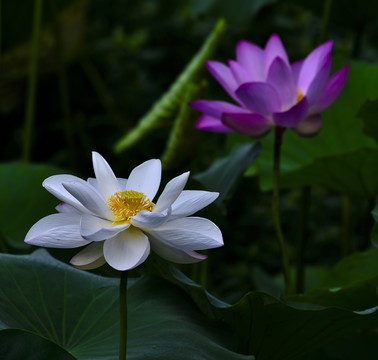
276 209
302 238
1 31
63 87
325 21
123 316
200 272
32 81
346 243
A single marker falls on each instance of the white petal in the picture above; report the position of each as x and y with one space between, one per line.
91 257
147 219
68 209
175 255
191 201
93 181
106 179
145 178
192 233
171 191
56 231
54 185
89 197
127 250
93 228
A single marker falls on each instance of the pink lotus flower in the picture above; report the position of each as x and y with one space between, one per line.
269 91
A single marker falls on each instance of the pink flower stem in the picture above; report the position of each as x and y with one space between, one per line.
276 209
123 316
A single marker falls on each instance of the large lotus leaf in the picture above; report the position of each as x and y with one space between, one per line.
273 329
350 284
23 200
342 134
16 344
79 311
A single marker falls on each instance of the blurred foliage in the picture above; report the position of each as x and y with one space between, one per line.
102 66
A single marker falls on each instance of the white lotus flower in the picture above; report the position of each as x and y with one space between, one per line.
118 221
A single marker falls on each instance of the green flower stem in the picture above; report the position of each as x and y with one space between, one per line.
123 316
278 131
32 81
302 238
1 31
63 86
346 242
325 21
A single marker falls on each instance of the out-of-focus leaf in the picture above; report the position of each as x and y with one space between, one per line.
369 114
23 200
375 213
168 105
223 173
350 13
351 173
16 344
79 312
342 134
236 12
69 26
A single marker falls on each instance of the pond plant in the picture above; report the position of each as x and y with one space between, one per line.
265 247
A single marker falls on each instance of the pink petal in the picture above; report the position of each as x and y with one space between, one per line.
224 76
296 69
274 48
254 125
331 91
251 57
209 123
309 126
311 65
241 75
259 97
293 116
215 108
319 82
279 75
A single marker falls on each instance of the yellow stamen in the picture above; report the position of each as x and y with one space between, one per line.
299 95
126 204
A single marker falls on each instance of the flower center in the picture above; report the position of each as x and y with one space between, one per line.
299 95
126 204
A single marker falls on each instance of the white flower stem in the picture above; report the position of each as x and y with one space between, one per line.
276 209
123 316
